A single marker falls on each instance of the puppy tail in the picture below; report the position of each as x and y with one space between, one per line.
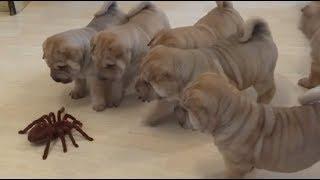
143 5
252 28
224 4
311 96
106 7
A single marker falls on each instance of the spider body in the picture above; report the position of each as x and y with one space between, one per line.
48 127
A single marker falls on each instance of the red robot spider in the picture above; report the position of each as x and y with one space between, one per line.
48 127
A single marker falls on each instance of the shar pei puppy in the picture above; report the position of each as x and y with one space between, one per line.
67 54
310 26
252 135
219 23
248 60
117 53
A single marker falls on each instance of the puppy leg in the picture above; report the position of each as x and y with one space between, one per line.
314 77
97 89
161 110
115 97
265 90
237 170
80 89
182 115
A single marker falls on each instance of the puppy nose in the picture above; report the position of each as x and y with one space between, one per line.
55 78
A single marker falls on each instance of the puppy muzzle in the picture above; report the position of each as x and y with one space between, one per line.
61 78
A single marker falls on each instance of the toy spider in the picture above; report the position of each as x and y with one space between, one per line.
48 128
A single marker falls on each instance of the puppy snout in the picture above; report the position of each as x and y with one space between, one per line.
55 79
61 80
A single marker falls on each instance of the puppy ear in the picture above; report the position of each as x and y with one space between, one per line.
106 7
156 37
224 4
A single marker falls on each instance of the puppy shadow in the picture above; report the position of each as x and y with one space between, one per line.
130 101
65 98
167 123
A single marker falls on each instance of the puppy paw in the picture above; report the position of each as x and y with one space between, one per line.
77 94
99 107
305 82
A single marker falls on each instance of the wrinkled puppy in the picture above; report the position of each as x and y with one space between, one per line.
251 135
117 53
220 22
246 61
68 53
310 26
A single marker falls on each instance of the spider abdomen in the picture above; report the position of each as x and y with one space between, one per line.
38 134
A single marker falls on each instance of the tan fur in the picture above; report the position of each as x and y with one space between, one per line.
117 52
311 96
252 63
220 22
67 54
251 135
310 26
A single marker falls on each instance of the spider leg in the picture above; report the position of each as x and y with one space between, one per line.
52 117
46 150
81 132
67 130
72 139
63 140
48 118
59 113
42 118
66 116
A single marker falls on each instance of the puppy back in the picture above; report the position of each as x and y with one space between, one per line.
254 27
142 6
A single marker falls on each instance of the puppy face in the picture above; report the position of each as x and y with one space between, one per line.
309 21
202 99
159 71
109 55
63 58
198 115
145 90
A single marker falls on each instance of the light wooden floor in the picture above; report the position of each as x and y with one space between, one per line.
122 146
